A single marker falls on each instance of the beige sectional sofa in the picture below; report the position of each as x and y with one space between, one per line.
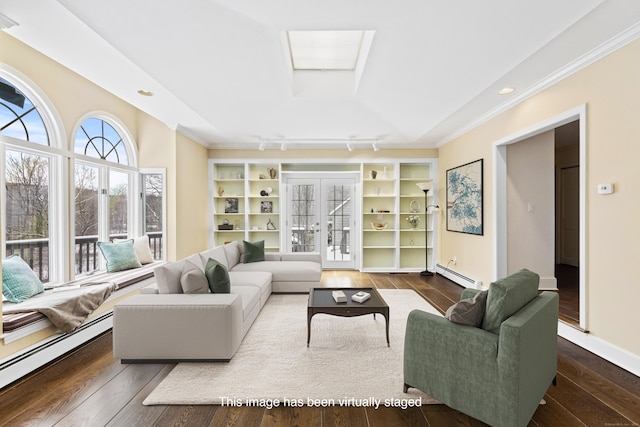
164 324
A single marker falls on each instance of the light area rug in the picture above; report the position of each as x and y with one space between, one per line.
348 362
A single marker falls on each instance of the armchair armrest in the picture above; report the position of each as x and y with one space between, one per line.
439 353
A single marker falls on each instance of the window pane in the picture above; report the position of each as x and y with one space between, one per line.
118 204
27 209
97 138
152 215
19 118
86 218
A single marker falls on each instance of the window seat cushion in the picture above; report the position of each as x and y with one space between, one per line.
122 279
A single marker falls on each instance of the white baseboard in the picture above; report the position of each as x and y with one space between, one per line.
18 365
457 277
616 355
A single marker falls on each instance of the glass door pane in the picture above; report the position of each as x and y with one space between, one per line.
303 218
338 198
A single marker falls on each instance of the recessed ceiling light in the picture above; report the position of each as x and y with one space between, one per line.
506 91
145 92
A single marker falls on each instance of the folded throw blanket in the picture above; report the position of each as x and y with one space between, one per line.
66 307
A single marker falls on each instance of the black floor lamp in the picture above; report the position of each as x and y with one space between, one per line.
426 186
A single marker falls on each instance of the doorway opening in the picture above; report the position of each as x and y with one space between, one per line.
574 207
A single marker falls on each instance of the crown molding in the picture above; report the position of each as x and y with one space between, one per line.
622 39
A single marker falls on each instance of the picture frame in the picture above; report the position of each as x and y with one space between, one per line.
266 206
465 213
231 205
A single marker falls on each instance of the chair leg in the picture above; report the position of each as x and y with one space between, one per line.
406 387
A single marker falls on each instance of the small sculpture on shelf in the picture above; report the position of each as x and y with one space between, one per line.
220 190
413 220
270 225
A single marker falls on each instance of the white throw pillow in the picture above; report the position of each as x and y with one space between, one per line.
141 246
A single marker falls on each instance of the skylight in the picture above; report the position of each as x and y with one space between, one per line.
325 50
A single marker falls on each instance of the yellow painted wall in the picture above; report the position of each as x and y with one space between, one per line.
611 89
192 189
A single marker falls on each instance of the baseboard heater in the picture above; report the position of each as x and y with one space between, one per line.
460 279
17 366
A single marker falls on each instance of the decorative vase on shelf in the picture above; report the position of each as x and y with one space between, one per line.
374 173
272 173
220 190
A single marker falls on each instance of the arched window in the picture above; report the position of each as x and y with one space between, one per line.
31 180
19 118
105 182
97 138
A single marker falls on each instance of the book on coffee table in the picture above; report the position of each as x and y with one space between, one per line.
361 296
339 296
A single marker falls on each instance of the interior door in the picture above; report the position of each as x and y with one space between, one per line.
319 218
569 233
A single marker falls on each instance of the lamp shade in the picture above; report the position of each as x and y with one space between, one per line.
425 186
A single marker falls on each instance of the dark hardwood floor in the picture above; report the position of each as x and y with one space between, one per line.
88 387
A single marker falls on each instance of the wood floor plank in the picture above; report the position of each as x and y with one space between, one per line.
344 416
232 416
554 414
105 404
288 416
61 387
443 416
583 405
184 415
396 417
135 413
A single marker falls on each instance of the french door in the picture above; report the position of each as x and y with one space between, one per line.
321 217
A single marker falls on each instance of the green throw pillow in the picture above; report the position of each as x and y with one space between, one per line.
253 252
19 282
119 256
218 277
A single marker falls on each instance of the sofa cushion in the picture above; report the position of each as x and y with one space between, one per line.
217 276
19 282
253 251
250 296
193 279
119 256
216 253
285 271
232 251
141 247
168 275
468 311
507 296
258 279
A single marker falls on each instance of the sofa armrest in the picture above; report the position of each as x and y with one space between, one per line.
301 256
177 327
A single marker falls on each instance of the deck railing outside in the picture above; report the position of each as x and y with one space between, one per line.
36 252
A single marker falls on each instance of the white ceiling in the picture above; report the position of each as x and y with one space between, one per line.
219 71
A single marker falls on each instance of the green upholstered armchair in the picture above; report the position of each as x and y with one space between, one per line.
497 373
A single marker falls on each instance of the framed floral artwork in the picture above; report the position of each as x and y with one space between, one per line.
464 198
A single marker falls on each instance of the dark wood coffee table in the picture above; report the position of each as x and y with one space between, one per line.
321 301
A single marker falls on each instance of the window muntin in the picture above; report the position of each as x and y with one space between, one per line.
98 139
19 118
